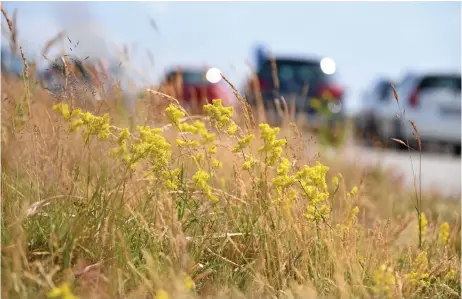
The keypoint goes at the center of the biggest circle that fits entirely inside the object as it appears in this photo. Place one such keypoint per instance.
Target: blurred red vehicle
(194, 87)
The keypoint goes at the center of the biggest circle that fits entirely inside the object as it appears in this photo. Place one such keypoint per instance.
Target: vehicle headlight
(328, 66)
(213, 75)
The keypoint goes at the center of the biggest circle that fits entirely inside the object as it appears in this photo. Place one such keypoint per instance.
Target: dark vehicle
(194, 87)
(82, 75)
(300, 80)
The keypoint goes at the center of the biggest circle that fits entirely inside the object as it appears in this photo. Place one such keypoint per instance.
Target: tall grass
(210, 205)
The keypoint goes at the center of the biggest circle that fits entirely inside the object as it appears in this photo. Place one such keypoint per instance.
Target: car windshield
(293, 70)
(194, 78)
(293, 74)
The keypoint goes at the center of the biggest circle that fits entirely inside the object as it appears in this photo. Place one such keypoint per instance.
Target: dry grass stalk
(416, 134)
(51, 42)
(13, 30)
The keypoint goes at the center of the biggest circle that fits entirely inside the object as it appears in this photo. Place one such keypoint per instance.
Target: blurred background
(353, 50)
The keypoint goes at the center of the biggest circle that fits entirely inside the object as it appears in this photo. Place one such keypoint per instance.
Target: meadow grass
(210, 205)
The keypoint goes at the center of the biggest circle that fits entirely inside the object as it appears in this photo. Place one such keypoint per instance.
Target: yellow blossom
(423, 226)
(221, 116)
(312, 180)
(161, 294)
(272, 146)
(62, 292)
(174, 114)
(419, 275)
(189, 283)
(243, 143)
(444, 233)
(216, 163)
(248, 164)
(353, 192)
(384, 281)
(200, 179)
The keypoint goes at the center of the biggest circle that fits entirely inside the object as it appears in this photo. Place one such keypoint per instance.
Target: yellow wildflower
(232, 128)
(174, 114)
(189, 283)
(161, 294)
(335, 181)
(212, 148)
(384, 281)
(187, 143)
(221, 116)
(353, 192)
(282, 179)
(63, 292)
(172, 179)
(249, 163)
(423, 225)
(419, 275)
(272, 146)
(216, 163)
(444, 233)
(243, 143)
(313, 183)
(200, 179)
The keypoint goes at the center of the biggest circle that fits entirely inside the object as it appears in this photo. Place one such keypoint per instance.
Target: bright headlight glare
(213, 75)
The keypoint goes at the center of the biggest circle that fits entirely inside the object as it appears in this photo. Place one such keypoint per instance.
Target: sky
(367, 40)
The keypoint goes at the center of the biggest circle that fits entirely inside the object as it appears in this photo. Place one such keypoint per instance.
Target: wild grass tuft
(210, 205)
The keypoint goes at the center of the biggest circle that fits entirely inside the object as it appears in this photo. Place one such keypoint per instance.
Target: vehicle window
(382, 90)
(452, 82)
(294, 71)
(193, 78)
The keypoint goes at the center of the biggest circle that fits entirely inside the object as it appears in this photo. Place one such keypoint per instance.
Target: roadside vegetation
(217, 205)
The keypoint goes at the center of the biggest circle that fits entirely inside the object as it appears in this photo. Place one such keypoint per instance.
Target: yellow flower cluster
(351, 220)
(283, 180)
(444, 233)
(272, 146)
(353, 192)
(419, 275)
(161, 294)
(151, 145)
(313, 183)
(122, 150)
(197, 128)
(243, 143)
(200, 179)
(94, 125)
(282, 184)
(189, 283)
(147, 143)
(384, 281)
(423, 225)
(221, 116)
(174, 114)
(63, 292)
(172, 179)
(248, 163)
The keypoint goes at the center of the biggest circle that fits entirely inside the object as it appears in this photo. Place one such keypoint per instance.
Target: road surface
(440, 172)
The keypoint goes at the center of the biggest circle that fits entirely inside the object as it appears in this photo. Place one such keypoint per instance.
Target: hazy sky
(366, 39)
